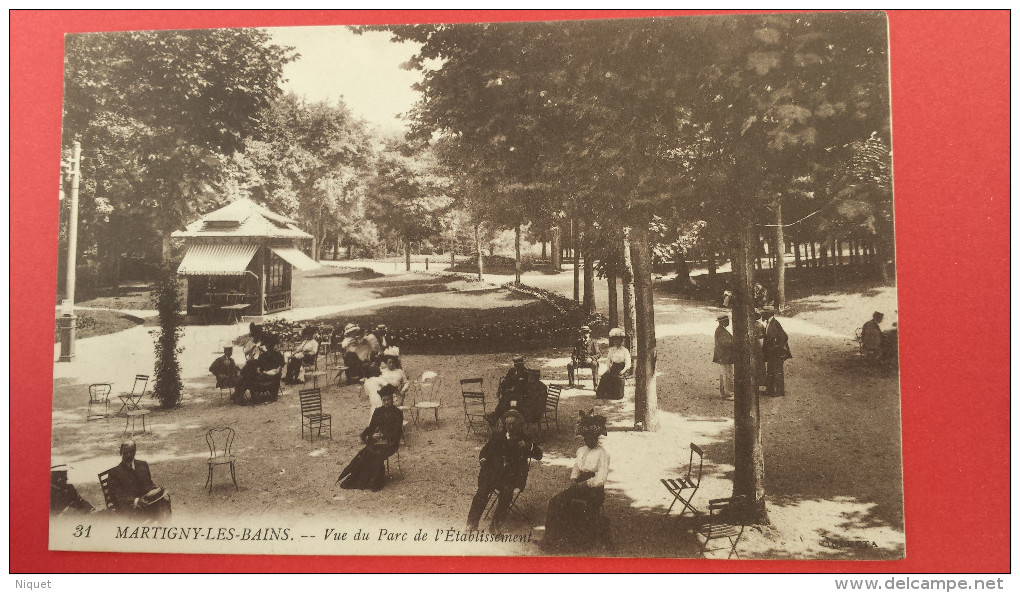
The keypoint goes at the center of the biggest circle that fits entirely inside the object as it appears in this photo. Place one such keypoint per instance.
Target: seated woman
(253, 347)
(357, 355)
(382, 438)
(262, 374)
(617, 363)
(306, 352)
(572, 513)
(391, 374)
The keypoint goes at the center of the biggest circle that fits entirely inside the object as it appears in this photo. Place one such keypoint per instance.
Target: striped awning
(217, 260)
(296, 258)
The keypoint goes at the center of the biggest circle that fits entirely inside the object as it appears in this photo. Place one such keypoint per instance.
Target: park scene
(603, 288)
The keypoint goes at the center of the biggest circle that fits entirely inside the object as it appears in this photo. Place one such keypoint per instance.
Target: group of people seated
(262, 371)
(363, 351)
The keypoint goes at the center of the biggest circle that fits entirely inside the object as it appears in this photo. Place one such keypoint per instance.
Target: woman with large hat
(572, 515)
(390, 374)
(617, 363)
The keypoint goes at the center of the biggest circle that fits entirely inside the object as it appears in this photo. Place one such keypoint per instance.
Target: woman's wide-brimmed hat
(616, 333)
(351, 329)
(590, 423)
(391, 352)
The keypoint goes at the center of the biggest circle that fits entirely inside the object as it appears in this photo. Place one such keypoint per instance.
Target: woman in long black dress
(572, 515)
(617, 363)
(367, 471)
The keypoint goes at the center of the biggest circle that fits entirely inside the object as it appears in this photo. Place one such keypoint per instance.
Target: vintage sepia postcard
(607, 287)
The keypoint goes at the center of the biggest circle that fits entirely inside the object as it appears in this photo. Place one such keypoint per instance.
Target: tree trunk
(407, 255)
(749, 460)
(780, 260)
(517, 255)
(646, 414)
(577, 261)
(814, 256)
(796, 255)
(589, 280)
(711, 263)
(614, 301)
(555, 249)
(167, 252)
(544, 250)
(629, 303)
(683, 271)
(478, 249)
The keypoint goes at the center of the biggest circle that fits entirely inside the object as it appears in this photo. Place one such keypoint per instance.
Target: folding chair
(400, 469)
(514, 509)
(684, 487)
(311, 414)
(129, 401)
(725, 520)
(99, 395)
(474, 404)
(220, 441)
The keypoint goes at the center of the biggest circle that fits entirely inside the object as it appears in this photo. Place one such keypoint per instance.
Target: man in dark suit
(585, 355)
(776, 348)
(519, 390)
(504, 467)
(131, 486)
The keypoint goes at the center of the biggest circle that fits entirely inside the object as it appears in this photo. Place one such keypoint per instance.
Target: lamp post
(68, 321)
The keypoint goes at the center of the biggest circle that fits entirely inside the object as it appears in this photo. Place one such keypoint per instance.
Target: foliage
(159, 114)
(166, 293)
(310, 161)
(409, 197)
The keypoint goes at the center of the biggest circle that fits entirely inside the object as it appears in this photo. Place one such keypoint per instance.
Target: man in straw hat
(723, 356)
(586, 355)
(64, 498)
(225, 369)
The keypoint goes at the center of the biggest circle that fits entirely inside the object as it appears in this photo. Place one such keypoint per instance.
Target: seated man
(586, 355)
(263, 374)
(64, 498)
(131, 487)
(225, 369)
(253, 347)
(520, 390)
(872, 338)
(504, 467)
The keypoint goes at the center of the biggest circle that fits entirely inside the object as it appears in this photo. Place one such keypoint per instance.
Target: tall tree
(158, 113)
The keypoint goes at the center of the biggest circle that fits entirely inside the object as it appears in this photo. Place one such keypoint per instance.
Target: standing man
(723, 356)
(776, 348)
(131, 487)
(586, 355)
(872, 338)
(504, 467)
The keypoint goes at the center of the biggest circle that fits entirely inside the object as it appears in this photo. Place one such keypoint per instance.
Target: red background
(950, 100)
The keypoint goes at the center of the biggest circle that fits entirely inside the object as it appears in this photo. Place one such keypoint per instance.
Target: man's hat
(877, 314)
(60, 468)
(722, 316)
(585, 329)
(228, 350)
(768, 309)
(518, 358)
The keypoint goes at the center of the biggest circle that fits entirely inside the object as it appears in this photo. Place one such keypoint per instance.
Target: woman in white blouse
(572, 513)
(391, 374)
(617, 363)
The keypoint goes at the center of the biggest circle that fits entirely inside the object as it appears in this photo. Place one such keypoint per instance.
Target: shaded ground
(99, 322)
(832, 446)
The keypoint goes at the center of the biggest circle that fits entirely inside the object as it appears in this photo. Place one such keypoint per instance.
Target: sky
(363, 70)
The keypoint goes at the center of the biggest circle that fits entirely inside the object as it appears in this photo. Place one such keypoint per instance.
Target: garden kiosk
(238, 260)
